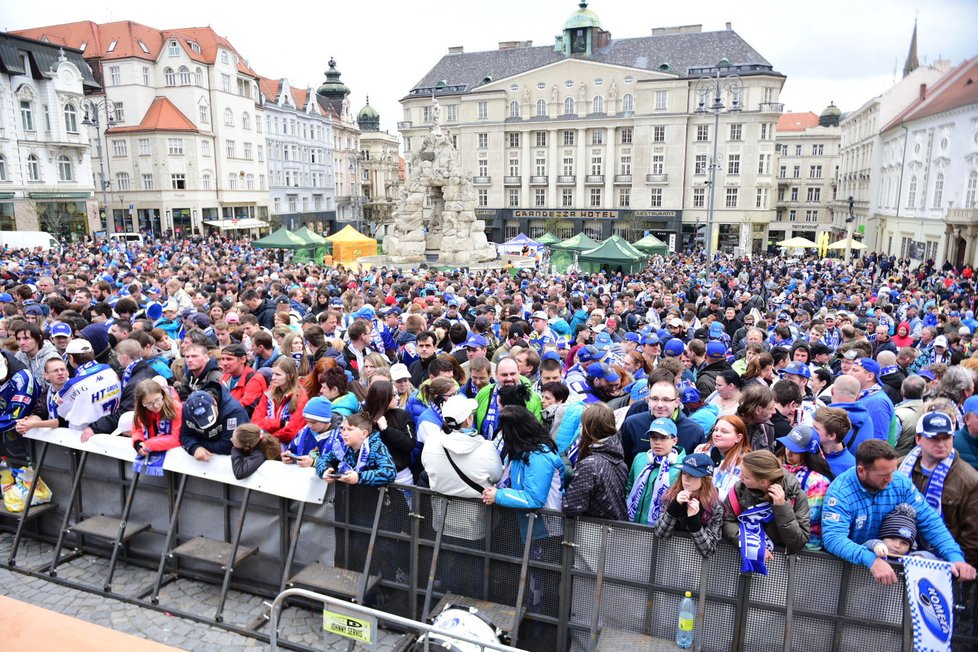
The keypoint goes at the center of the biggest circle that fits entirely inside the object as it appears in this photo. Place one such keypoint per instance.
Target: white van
(136, 238)
(28, 240)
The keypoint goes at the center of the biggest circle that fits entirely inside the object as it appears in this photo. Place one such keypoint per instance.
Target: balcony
(482, 181)
(538, 181)
(566, 180)
(404, 125)
(623, 178)
(512, 181)
(771, 107)
(594, 179)
(656, 178)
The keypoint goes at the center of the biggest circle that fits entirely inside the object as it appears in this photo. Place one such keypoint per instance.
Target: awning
(230, 225)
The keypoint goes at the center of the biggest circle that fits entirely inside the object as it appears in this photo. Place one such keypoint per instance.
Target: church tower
(912, 63)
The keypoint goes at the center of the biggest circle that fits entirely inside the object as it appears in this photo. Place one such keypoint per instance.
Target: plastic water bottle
(6, 477)
(687, 622)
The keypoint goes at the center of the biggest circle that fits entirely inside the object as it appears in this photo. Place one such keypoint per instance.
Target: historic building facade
(334, 97)
(604, 135)
(380, 165)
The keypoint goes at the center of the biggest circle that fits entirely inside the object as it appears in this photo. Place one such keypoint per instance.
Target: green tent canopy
(311, 237)
(611, 254)
(281, 239)
(580, 242)
(547, 239)
(652, 245)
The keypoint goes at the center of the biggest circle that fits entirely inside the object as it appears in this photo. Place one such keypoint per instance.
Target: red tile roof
(797, 121)
(957, 88)
(162, 115)
(272, 88)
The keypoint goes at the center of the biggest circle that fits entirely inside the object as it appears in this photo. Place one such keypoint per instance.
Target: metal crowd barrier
(574, 585)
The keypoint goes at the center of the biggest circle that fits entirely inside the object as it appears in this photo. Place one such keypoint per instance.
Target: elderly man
(872, 397)
(508, 382)
(663, 402)
(948, 483)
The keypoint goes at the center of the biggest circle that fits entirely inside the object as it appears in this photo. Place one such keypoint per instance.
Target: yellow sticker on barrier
(355, 626)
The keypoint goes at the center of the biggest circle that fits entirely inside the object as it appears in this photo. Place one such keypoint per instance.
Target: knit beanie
(901, 523)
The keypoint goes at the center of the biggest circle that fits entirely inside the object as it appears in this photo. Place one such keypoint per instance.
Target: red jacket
(159, 434)
(248, 388)
(273, 424)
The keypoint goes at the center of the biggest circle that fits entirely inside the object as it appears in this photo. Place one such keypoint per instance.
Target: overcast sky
(832, 50)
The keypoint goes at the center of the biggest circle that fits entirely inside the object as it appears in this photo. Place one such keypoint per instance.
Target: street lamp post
(849, 221)
(716, 86)
(92, 118)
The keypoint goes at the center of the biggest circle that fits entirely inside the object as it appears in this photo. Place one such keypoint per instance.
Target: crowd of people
(778, 403)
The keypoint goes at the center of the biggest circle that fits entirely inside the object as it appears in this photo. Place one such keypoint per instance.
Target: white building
(299, 146)
(45, 163)
(807, 159)
(181, 124)
(334, 97)
(928, 173)
(603, 135)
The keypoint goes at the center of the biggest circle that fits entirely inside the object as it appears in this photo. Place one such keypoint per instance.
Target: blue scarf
(362, 457)
(127, 374)
(53, 402)
(491, 419)
(284, 414)
(885, 371)
(151, 465)
(867, 392)
(753, 539)
(935, 483)
(659, 487)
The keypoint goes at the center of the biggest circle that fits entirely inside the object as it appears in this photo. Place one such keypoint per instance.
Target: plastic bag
(15, 499)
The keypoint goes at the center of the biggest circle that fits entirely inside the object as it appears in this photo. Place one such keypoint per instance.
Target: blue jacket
(635, 433)
(378, 468)
(880, 409)
(851, 515)
(569, 426)
(862, 425)
(535, 484)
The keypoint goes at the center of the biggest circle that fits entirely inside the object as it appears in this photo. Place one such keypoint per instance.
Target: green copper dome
(333, 86)
(582, 18)
(831, 116)
(368, 119)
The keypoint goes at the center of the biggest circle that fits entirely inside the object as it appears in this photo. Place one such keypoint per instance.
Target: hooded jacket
(862, 425)
(902, 341)
(230, 415)
(597, 488)
(191, 382)
(791, 524)
(36, 364)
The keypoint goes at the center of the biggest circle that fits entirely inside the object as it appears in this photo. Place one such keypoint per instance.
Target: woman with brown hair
(293, 347)
(156, 418)
(597, 488)
(693, 505)
(279, 411)
(756, 409)
(251, 446)
(766, 508)
(760, 370)
(727, 446)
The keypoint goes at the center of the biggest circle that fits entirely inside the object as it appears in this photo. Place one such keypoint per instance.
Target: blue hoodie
(880, 409)
(862, 425)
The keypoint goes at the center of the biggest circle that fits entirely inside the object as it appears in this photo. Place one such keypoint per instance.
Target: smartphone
(333, 475)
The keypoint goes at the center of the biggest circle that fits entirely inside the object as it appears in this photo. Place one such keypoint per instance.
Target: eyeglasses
(152, 405)
(661, 399)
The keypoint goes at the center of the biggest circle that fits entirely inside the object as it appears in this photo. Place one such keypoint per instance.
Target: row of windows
(178, 181)
(814, 195)
(66, 171)
(810, 215)
(291, 126)
(937, 198)
(27, 123)
(595, 198)
(817, 150)
(814, 172)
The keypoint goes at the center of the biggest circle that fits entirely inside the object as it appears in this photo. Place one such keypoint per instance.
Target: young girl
(279, 411)
(802, 457)
(692, 505)
(727, 445)
(363, 458)
(250, 448)
(156, 420)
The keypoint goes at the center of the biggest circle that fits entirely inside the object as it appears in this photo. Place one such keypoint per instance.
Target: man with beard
(601, 380)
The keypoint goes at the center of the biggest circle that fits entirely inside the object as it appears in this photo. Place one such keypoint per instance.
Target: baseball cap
(674, 348)
(784, 316)
(475, 341)
(458, 408)
(940, 341)
(716, 350)
(393, 310)
(79, 346)
(169, 306)
(236, 349)
(929, 375)
(663, 425)
(5, 297)
(60, 329)
(689, 394)
(869, 365)
(851, 354)
(651, 339)
(232, 318)
(798, 369)
(933, 424)
(676, 321)
(318, 408)
(801, 439)
(202, 320)
(366, 312)
(550, 355)
(602, 341)
(716, 330)
(539, 314)
(399, 371)
(282, 299)
(603, 371)
(200, 410)
(632, 337)
(698, 465)
(587, 354)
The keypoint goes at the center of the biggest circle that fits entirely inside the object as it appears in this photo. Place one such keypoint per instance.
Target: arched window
(969, 195)
(569, 106)
(3, 168)
(199, 77)
(170, 77)
(71, 119)
(245, 120)
(33, 169)
(541, 108)
(627, 103)
(64, 168)
(912, 192)
(514, 109)
(184, 76)
(597, 105)
(228, 118)
(206, 181)
(938, 190)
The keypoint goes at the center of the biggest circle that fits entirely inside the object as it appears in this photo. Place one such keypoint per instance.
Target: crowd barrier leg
(701, 604)
(568, 545)
(12, 557)
(124, 530)
(73, 503)
(232, 557)
(592, 639)
(433, 569)
(789, 603)
(365, 576)
(293, 545)
(524, 578)
(415, 568)
(841, 606)
(171, 532)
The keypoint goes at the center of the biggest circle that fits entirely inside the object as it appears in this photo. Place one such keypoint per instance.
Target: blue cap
(798, 369)
(60, 329)
(550, 355)
(715, 350)
(602, 341)
(587, 354)
(633, 337)
(663, 425)
(366, 312)
(716, 330)
(200, 410)
(970, 406)
(933, 424)
(869, 365)
(674, 348)
(393, 310)
(801, 439)
(688, 393)
(603, 371)
(651, 340)
(318, 409)
(6, 298)
(475, 341)
(929, 375)
(453, 301)
(784, 316)
(698, 465)
(640, 390)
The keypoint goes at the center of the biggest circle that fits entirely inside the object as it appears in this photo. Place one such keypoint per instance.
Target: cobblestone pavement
(297, 624)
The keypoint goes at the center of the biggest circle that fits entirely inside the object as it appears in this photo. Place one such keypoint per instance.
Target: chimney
(729, 25)
(923, 91)
(458, 49)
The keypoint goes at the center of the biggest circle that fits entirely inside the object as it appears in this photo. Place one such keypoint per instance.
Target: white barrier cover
(284, 480)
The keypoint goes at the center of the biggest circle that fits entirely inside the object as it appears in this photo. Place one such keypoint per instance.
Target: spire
(912, 62)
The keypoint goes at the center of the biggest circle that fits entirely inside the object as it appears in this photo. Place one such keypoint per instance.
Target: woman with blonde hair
(727, 446)
(371, 363)
(279, 411)
(294, 347)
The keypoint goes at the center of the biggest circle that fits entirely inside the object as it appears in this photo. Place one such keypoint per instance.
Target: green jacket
(638, 465)
(535, 405)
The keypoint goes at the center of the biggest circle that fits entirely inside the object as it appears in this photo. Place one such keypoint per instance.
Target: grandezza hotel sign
(568, 214)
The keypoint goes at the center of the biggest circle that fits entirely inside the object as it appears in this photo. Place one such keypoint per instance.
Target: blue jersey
(17, 397)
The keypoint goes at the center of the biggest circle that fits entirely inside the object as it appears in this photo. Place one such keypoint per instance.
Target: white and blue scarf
(127, 374)
(284, 414)
(151, 465)
(362, 457)
(491, 419)
(935, 483)
(867, 392)
(659, 486)
(753, 540)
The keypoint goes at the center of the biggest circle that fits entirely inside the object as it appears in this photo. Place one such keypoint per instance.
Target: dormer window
(195, 47)
(173, 49)
(224, 56)
(142, 46)
(112, 46)
(83, 46)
